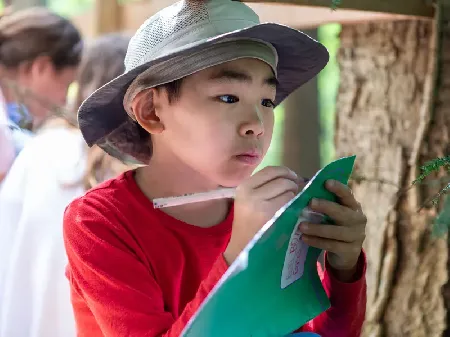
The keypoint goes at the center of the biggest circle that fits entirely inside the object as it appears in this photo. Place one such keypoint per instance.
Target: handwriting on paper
(294, 262)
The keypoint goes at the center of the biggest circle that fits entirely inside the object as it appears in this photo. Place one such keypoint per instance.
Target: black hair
(173, 89)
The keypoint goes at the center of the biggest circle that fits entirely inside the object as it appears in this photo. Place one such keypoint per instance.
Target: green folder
(273, 287)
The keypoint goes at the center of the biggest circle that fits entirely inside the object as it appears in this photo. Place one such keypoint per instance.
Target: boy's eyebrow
(241, 76)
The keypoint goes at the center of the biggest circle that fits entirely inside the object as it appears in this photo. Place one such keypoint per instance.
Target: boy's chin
(234, 180)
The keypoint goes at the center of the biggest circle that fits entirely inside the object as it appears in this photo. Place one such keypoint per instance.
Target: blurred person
(6, 145)
(55, 167)
(39, 55)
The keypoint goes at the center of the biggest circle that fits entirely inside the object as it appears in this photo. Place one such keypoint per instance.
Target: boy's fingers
(270, 173)
(329, 245)
(338, 233)
(344, 193)
(275, 188)
(282, 198)
(302, 183)
(341, 215)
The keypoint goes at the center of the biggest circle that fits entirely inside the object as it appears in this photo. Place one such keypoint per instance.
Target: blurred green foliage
(328, 86)
(68, 8)
(441, 223)
(274, 155)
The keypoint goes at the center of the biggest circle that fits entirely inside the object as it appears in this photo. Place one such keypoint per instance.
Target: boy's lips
(250, 157)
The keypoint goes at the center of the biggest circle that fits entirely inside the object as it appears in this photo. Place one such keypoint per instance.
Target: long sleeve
(348, 305)
(108, 274)
(12, 194)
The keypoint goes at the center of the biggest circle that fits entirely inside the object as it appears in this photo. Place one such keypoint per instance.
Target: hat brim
(300, 58)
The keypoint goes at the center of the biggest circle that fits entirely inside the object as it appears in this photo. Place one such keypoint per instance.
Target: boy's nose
(253, 126)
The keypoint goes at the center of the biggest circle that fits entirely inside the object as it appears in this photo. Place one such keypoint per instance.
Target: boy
(202, 78)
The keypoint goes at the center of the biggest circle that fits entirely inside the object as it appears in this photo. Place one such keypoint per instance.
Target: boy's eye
(229, 99)
(268, 103)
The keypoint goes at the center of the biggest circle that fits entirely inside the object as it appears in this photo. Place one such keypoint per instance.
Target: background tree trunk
(384, 118)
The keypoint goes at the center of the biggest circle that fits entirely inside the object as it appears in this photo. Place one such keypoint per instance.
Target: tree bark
(384, 117)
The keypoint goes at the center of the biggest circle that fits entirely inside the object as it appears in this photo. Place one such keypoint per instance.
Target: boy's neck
(163, 179)
(168, 177)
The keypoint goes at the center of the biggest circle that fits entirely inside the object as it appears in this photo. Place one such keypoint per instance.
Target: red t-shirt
(136, 271)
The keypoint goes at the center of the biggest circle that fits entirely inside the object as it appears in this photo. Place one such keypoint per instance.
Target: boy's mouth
(250, 157)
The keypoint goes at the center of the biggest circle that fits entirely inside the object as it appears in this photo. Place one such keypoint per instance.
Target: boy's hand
(257, 200)
(343, 240)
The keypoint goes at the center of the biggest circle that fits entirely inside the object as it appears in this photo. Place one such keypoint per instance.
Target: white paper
(294, 262)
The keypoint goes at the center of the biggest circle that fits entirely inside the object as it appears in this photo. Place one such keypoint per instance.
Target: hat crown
(186, 23)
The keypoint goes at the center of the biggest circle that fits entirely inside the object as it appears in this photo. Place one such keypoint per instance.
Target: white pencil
(223, 193)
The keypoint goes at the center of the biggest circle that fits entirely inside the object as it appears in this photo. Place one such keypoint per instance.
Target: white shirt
(34, 292)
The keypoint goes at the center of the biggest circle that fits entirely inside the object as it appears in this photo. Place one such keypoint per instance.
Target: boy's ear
(145, 107)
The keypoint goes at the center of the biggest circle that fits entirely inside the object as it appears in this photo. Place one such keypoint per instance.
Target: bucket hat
(165, 46)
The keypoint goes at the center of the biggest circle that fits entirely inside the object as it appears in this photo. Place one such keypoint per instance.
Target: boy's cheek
(267, 139)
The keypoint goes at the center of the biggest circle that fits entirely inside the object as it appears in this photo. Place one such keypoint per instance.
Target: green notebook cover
(273, 287)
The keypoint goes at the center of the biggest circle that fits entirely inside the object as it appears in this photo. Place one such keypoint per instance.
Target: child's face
(43, 75)
(221, 125)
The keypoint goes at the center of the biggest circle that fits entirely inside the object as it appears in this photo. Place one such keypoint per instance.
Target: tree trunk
(384, 117)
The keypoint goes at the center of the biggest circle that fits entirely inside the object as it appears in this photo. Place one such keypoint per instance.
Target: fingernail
(303, 227)
(331, 183)
(314, 202)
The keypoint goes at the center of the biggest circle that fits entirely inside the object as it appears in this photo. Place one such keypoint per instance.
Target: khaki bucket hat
(180, 40)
